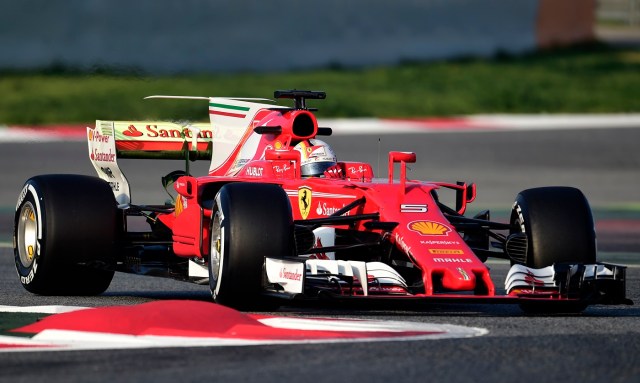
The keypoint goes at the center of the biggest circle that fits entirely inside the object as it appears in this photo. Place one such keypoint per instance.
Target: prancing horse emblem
(304, 201)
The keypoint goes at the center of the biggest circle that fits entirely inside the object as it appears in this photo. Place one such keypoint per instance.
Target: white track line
(52, 309)
(473, 123)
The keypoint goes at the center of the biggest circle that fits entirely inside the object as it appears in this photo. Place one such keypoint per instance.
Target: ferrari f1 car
(259, 230)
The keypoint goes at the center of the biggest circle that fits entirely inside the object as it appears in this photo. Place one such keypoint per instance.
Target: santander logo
(290, 275)
(132, 132)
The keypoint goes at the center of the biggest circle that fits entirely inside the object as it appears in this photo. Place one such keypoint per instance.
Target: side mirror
(291, 155)
(186, 186)
(408, 157)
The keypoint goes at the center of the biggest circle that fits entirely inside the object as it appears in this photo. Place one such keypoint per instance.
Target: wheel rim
(27, 234)
(217, 248)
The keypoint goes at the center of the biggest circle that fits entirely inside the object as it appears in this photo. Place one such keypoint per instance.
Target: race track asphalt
(602, 344)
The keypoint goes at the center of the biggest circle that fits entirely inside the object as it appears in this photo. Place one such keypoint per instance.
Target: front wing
(292, 278)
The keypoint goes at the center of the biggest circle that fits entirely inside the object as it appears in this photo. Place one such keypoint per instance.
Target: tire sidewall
(29, 275)
(76, 225)
(255, 222)
(558, 224)
(223, 254)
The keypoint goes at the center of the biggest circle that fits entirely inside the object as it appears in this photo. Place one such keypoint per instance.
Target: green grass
(593, 79)
(10, 321)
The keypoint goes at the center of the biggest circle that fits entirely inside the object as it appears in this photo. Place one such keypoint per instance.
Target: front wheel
(65, 230)
(560, 229)
(558, 224)
(250, 222)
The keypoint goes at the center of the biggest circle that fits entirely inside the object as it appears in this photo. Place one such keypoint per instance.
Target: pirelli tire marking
(28, 209)
(520, 217)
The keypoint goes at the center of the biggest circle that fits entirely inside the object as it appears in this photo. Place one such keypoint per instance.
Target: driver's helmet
(315, 157)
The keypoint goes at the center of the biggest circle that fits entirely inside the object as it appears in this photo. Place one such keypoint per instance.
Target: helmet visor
(315, 169)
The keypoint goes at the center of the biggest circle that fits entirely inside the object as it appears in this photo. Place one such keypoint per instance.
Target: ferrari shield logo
(304, 201)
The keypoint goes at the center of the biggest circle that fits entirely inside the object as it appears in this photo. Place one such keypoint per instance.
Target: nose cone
(458, 279)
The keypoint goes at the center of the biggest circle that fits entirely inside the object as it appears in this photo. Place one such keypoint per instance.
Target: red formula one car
(278, 217)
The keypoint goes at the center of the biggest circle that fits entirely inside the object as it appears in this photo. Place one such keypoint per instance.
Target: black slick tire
(64, 237)
(250, 222)
(558, 223)
(560, 229)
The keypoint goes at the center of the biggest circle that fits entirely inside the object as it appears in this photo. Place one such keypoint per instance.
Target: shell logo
(429, 228)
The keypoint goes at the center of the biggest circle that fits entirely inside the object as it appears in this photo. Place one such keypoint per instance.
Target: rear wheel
(65, 230)
(250, 221)
(559, 228)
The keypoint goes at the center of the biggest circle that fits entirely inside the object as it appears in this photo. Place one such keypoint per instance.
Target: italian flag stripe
(228, 110)
(224, 106)
(227, 114)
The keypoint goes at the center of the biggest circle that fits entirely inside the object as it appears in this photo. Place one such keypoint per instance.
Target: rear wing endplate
(111, 140)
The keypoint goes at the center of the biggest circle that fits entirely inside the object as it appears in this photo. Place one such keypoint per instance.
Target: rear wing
(228, 140)
(112, 140)
(158, 139)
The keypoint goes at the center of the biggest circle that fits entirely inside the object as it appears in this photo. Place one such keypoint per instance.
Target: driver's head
(315, 157)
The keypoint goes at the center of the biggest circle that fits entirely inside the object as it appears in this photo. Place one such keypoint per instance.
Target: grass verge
(589, 79)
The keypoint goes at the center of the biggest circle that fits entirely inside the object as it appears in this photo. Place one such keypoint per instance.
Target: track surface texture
(602, 344)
